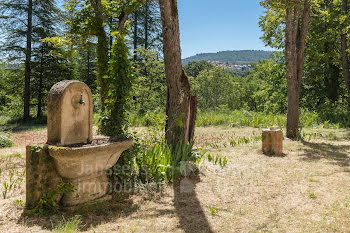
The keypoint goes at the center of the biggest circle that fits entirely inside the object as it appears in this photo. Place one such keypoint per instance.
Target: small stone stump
(272, 141)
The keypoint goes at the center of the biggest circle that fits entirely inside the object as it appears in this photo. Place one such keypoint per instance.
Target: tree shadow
(91, 215)
(21, 127)
(333, 153)
(188, 207)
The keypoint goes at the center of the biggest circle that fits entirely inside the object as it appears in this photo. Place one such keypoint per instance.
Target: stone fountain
(72, 154)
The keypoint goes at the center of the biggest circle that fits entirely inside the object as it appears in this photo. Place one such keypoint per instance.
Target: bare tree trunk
(181, 105)
(26, 114)
(296, 31)
(344, 53)
(40, 90)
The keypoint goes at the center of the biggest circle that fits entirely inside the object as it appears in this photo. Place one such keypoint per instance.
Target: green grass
(242, 140)
(239, 118)
(213, 210)
(254, 119)
(68, 226)
(312, 195)
(14, 180)
(331, 136)
(217, 159)
(5, 140)
(13, 155)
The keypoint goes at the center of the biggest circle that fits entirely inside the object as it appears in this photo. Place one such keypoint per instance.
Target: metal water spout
(81, 101)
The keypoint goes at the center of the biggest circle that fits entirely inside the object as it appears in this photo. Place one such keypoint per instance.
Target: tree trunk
(293, 110)
(344, 53)
(135, 34)
(102, 50)
(296, 31)
(40, 94)
(110, 36)
(26, 114)
(181, 105)
(146, 24)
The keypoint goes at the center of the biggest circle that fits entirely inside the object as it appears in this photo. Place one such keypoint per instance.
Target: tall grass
(243, 118)
(252, 119)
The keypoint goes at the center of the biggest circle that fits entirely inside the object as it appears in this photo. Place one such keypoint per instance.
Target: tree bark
(344, 53)
(26, 114)
(146, 24)
(296, 32)
(102, 50)
(181, 105)
(40, 90)
(135, 41)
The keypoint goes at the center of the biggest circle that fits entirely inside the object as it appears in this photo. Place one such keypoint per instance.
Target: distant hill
(242, 57)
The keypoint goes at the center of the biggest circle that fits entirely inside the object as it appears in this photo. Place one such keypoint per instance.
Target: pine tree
(24, 26)
(146, 27)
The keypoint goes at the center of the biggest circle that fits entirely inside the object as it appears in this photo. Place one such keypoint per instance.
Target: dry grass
(307, 190)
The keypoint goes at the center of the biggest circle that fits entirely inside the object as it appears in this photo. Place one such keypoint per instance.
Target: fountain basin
(86, 165)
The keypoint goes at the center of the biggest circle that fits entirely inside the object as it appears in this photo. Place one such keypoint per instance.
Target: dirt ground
(306, 190)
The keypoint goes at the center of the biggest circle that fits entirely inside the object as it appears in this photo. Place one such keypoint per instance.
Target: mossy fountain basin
(86, 165)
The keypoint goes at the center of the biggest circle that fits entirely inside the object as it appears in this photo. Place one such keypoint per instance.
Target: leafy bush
(4, 119)
(14, 109)
(5, 140)
(155, 164)
(150, 161)
(150, 118)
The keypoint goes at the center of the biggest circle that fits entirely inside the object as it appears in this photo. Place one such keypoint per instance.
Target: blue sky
(218, 25)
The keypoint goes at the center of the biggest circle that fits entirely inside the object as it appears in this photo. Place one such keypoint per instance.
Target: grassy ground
(307, 190)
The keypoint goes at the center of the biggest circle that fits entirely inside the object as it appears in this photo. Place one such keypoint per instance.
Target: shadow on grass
(91, 215)
(335, 154)
(188, 207)
(21, 126)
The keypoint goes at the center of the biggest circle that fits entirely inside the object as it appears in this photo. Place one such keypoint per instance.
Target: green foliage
(194, 68)
(101, 19)
(5, 140)
(216, 159)
(312, 195)
(150, 118)
(238, 141)
(14, 182)
(146, 27)
(154, 164)
(151, 162)
(266, 88)
(332, 136)
(262, 89)
(217, 88)
(72, 225)
(213, 210)
(49, 202)
(113, 119)
(253, 119)
(149, 86)
(322, 88)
